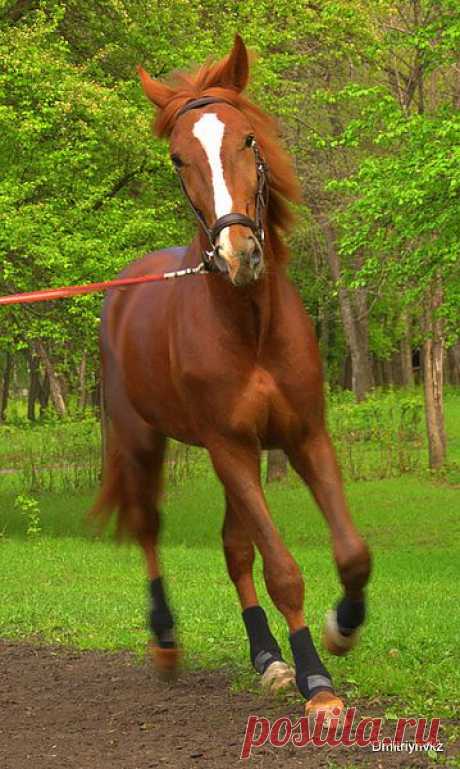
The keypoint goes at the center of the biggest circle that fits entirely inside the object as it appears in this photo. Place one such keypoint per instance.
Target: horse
(227, 359)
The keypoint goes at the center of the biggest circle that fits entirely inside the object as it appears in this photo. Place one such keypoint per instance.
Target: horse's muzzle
(243, 266)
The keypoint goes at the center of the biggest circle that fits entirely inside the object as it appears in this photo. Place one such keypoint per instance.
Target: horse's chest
(263, 403)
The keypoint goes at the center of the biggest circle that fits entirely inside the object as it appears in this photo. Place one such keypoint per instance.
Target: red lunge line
(61, 293)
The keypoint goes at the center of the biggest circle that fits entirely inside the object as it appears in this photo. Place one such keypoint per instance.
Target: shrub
(29, 509)
(380, 437)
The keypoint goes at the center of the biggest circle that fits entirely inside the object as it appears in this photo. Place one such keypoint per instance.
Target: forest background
(367, 95)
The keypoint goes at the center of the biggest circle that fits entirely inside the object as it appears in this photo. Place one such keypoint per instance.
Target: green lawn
(64, 586)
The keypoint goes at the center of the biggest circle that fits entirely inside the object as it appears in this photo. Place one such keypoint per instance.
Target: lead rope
(48, 294)
(201, 267)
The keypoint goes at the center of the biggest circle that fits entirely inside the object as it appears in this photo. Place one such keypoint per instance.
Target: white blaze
(209, 131)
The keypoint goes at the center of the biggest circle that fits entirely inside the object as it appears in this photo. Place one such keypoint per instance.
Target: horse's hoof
(334, 640)
(166, 661)
(324, 702)
(278, 677)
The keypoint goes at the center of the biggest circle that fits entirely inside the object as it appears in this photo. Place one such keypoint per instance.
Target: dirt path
(72, 710)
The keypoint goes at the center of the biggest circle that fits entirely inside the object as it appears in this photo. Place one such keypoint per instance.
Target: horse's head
(214, 150)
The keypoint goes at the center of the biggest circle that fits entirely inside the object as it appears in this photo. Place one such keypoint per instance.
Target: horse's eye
(249, 142)
(177, 162)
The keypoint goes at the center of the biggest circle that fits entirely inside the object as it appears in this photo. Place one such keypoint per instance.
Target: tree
(403, 200)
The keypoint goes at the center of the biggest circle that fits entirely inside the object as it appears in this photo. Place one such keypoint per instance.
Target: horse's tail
(127, 493)
(112, 496)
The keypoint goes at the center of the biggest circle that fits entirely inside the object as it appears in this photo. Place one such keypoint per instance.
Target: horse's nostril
(220, 262)
(255, 258)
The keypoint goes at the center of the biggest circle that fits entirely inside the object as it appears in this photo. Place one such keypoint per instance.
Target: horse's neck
(247, 310)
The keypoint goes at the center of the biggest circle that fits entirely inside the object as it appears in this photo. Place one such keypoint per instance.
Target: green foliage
(380, 437)
(401, 222)
(404, 210)
(56, 455)
(30, 510)
(84, 188)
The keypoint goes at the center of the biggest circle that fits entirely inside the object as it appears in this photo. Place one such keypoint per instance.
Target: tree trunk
(55, 387)
(396, 369)
(5, 386)
(82, 382)
(355, 334)
(354, 318)
(345, 374)
(362, 326)
(453, 354)
(277, 465)
(387, 372)
(44, 393)
(433, 378)
(378, 372)
(34, 385)
(324, 327)
(405, 350)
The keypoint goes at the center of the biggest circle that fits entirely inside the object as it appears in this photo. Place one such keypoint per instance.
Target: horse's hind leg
(265, 653)
(315, 461)
(146, 479)
(132, 486)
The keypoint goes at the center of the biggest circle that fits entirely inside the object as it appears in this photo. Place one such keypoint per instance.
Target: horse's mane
(283, 182)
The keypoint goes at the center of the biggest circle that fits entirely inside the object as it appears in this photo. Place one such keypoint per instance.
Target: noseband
(256, 225)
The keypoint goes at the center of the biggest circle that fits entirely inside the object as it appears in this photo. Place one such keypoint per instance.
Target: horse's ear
(157, 92)
(235, 71)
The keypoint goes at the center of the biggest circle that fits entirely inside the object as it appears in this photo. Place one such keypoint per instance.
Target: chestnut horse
(228, 360)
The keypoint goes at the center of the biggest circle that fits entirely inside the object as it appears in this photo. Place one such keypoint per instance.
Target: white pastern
(209, 131)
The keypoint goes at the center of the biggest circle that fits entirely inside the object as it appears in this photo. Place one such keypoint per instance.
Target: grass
(64, 586)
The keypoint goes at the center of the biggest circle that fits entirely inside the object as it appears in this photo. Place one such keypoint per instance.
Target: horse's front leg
(314, 459)
(236, 461)
(265, 652)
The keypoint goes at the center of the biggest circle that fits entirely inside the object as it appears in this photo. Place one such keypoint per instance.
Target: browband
(203, 102)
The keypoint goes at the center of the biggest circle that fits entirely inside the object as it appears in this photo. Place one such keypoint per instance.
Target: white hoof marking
(333, 635)
(278, 676)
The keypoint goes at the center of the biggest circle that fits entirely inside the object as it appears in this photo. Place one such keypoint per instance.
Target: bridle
(256, 225)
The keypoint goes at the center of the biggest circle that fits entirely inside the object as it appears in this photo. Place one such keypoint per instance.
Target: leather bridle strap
(232, 218)
(203, 102)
